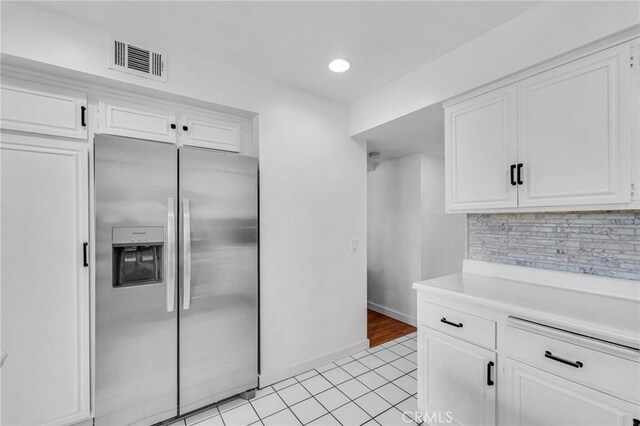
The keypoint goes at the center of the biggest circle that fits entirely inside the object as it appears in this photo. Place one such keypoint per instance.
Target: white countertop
(607, 317)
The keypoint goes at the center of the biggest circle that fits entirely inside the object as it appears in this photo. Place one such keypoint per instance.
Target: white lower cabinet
(538, 374)
(456, 380)
(45, 378)
(538, 398)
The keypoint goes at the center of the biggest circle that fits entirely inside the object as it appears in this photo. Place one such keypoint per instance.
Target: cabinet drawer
(33, 108)
(471, 328)
(588, 364)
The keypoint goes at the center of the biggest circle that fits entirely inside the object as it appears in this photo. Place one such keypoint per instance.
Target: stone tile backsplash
(598, 243)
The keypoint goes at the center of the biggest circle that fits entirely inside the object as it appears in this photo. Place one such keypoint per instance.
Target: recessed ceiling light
(339, 65)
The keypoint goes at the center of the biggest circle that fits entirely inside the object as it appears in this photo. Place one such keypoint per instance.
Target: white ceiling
(293, 41)
(419, 132)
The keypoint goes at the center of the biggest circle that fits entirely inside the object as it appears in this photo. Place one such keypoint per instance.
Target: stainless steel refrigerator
(176, 279)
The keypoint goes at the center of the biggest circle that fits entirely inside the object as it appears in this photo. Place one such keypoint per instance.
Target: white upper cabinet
(136, 120)
(573, 132)
(172, 124)
(211, 131)
(560, 139)
(45, 282)
(480, 147)
(29, 107)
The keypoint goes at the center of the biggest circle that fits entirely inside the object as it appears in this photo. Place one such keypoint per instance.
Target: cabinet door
(211, 131)
(33, 108)
(538, 398)
(480, 147)
(45, 286)
(573, 132)
(121, 118)
(456, 380)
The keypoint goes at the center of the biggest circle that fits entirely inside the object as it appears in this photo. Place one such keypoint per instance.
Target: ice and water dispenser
(137, 255)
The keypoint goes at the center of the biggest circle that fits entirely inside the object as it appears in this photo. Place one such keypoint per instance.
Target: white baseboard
(266, 379)
(392, 313)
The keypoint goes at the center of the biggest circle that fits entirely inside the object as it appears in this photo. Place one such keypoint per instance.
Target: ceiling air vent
(137, 60)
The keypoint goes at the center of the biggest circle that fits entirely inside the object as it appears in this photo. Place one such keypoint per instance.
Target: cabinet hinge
(633, 190)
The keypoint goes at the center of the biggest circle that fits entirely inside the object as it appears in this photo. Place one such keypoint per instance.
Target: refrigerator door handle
(186, 259)
(170, 264)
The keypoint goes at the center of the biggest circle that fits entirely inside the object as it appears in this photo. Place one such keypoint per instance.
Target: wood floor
(381, 328)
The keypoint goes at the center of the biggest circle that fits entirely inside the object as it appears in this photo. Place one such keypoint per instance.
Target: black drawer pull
(185, 128)
(489, 368)
(513, 177)
(173, 126)
(520, 182)
(458, 325)
(576, 364)
(83, 121)
(85, 255)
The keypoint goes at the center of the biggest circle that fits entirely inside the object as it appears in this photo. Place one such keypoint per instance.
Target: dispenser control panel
(137, 255)
(138, 235)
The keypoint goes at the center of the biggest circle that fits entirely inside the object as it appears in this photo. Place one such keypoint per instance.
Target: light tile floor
(374, 387)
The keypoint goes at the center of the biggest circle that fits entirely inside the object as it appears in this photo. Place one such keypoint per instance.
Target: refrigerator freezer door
(136, 335)
(218, 325)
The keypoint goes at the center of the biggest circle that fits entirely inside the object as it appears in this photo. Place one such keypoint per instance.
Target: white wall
(443, 235)
(393, 241)
(313, 185)
(410, 238)
(539, 34)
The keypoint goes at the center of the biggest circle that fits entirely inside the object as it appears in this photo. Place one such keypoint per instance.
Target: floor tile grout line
(388, 382)
(373, 369)
(297, 381)
(412, 396)
(220, 414)
(254, 410)
(392, 407)
(341, 392)
(369, 391)
(316, 399)
(347, 396)
(373, 390)
(339, 366)
(351, 400)
(287, 406)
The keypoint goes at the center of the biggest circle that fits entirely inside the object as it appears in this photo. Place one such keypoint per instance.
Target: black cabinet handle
(85, 254)
(185, 128)
(513, 177)
(576, 364)
(519, 174)
(173, 126)
(83, 113)
(458, 325)
(489, 368)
